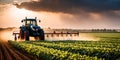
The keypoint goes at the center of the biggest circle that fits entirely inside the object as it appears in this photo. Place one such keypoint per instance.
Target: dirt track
(7, 52)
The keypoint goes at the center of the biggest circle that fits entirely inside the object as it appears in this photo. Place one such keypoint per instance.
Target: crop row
(90, 49)
(50, 53)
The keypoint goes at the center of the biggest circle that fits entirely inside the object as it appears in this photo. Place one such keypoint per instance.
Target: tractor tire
(26, 35)
(21, 34)
(42, 37)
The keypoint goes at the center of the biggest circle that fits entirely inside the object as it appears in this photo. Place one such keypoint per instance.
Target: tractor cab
(27, 22)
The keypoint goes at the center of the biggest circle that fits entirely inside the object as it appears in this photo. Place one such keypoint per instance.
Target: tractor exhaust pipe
(35, 17)
(25, 17)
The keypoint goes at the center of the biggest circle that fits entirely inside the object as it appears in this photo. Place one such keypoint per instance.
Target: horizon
(17, 28)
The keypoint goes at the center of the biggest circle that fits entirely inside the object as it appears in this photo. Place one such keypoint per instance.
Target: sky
(70, 14)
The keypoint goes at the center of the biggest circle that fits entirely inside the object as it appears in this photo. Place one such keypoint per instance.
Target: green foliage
(49, 53)
(108, 48)
(101, 35)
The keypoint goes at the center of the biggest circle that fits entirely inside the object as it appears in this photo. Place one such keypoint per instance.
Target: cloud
(77, 13)
(86, 13)
(71, 6)
(6, 1)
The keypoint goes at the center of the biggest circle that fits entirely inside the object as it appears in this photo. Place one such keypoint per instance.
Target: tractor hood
(35, 28)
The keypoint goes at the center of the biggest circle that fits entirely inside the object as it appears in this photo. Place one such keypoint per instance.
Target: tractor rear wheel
(21, 34)
(42, 37)
(26, 35)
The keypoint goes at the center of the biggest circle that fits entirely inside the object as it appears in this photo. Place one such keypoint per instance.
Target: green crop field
(107, 48)
(103, 35)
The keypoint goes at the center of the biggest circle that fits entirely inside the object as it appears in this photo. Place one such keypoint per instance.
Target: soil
(8, 52)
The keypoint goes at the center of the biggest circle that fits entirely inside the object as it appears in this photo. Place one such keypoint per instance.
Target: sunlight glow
(21, 12)
(12, 16)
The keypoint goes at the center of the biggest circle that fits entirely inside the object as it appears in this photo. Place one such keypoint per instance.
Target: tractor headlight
(32, 28)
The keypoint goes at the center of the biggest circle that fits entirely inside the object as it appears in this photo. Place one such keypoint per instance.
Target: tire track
(8, 52)
(12, 53)
(1, 54)
(23, 56)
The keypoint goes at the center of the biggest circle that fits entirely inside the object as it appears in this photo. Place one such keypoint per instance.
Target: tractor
(30, 28)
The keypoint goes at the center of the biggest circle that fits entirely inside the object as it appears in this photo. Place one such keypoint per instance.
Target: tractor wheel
(26, 35)
(37, 38)
(42, 37)
(21, 34)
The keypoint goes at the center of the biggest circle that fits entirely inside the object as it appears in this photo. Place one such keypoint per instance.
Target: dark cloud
(86, 13)
(6, 1)
(72, 6)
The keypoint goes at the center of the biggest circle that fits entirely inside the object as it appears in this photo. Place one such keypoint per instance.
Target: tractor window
(31, 22)
(28, 22)
(34, 23)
